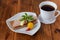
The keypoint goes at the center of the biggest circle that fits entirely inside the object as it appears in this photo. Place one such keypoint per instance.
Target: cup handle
(58, 13)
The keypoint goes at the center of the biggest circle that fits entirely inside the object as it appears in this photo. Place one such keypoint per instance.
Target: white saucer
(23, 30)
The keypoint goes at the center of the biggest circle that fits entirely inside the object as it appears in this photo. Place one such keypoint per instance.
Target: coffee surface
(48, 8)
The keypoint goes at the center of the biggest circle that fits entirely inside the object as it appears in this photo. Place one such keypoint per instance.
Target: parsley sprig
(27, 17)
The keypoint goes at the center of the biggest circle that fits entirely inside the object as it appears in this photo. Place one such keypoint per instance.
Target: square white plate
(23, 30)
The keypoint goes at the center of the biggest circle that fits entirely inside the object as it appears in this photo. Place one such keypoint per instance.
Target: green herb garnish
(27, 17)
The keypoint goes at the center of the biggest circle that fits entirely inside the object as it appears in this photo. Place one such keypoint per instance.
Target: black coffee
(48, 8)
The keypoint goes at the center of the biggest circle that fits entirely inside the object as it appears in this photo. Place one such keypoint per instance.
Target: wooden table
(9, 8)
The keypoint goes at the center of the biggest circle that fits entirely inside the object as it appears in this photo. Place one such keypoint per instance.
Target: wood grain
(8, 8)
(56, 25)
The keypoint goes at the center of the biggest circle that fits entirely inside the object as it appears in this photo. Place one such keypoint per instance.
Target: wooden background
(9, 8)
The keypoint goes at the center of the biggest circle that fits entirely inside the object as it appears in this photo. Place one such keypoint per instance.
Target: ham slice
(16, 24)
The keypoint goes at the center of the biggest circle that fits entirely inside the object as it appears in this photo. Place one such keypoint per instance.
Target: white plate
(23, 30)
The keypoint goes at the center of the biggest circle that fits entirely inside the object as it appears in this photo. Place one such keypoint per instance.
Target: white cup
(48, 17)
